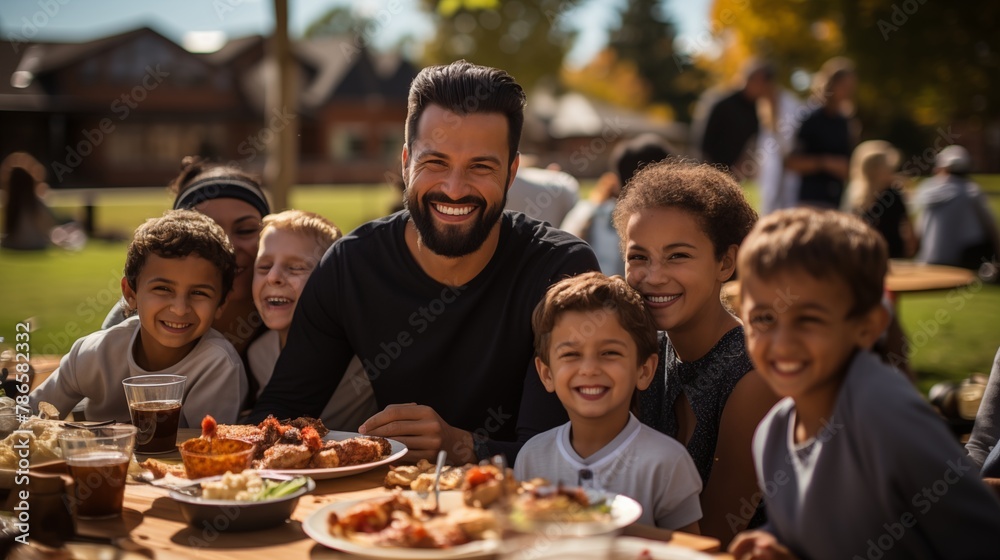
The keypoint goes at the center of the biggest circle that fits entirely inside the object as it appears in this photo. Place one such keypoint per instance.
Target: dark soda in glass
(156, 425)
(100, 483)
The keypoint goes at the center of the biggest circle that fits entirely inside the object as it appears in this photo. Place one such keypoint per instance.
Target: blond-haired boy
(291, 245)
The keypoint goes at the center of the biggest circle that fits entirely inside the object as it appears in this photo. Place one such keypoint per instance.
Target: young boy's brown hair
(824, 244)
(177, 234)
(593, 291)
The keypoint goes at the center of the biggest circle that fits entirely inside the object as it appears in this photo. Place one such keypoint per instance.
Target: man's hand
(758, 545)
(422, 431)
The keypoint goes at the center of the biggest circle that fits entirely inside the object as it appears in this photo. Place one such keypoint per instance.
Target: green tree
(527, 38)
(645, 38)
(609, 79)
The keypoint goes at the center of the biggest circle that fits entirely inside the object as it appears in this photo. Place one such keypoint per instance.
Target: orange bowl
(211, 457)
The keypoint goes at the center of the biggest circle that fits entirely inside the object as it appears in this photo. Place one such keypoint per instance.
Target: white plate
(624, 512)
(316, 526)
(398, 450)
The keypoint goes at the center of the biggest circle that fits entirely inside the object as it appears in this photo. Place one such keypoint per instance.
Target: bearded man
(436, 300)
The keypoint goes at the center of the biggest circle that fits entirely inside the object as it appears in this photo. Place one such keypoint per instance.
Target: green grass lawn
(67, 294)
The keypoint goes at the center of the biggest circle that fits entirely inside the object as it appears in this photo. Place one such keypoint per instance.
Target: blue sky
(74, 20)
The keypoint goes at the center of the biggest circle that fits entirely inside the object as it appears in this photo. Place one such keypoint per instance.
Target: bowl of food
(216, 456)
(246, 501)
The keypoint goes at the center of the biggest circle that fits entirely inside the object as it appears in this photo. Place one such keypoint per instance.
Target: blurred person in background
(546, 195)
(956, 227)
(590, 220)
(875, 196)
(27, 220)
(732, 125)
(826, 138)
(780, 115)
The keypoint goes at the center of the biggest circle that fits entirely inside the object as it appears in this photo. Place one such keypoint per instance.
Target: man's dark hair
(465, 88)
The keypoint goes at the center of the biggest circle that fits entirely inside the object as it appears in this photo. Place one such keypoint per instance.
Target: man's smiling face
(456, 178)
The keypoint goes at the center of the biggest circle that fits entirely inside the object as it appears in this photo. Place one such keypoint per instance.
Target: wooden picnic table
(152, 519)
(902, 277)
(910, 276)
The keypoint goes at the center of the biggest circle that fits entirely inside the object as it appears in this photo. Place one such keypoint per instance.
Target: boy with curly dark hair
(178, 271)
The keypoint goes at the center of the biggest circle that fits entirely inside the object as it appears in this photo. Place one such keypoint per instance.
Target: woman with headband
(235, 201)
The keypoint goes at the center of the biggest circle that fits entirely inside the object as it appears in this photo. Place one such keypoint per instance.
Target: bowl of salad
(246, 501)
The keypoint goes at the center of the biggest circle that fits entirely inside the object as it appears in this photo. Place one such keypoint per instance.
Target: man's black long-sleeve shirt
(465, 351)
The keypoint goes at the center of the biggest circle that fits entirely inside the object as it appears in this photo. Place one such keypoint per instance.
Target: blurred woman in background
(874, 195)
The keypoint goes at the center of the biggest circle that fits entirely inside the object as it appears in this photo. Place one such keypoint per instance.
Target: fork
(442, 456)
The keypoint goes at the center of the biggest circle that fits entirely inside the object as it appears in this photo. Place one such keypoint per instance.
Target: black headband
(223, 187)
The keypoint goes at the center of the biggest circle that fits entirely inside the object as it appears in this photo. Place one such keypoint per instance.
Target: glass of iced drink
(98, 462)
(154, 402)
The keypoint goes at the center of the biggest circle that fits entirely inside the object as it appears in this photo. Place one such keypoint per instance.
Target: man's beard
(453, 240)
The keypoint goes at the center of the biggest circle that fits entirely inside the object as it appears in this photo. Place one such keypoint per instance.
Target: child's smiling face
(671, 261)
(284, 262)
(800, 334)
(177, 300)
(593, 365)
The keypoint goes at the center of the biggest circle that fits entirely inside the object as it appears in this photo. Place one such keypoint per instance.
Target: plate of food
(355, 453)
(38, 434)
(403, 525)
(299, 447)
(572, 511)
(469, 521)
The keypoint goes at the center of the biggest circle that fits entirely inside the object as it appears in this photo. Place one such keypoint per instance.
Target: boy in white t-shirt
(595, 345)
(291, 245)
(178, 271)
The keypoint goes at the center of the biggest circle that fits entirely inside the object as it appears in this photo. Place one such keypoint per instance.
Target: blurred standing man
(733, 124)
(826, 139)
(436, 301)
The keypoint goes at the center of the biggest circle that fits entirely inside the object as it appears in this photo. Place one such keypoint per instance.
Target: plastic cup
(154, 402)
(98, 462)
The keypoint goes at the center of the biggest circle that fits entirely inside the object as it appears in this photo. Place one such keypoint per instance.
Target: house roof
(324, 64)
(232, 49)
(333, 57)
(575, 115)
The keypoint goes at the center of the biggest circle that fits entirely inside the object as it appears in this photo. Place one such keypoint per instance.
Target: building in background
(123, 110)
